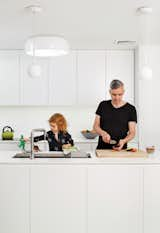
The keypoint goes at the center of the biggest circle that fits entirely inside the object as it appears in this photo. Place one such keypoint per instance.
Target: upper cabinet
(91, 77)
(120, 65)
(81, 78)
(62, 80)
(9, 78)
(34, 91)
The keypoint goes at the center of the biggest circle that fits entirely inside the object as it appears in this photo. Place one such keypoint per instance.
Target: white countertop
(76, 140)
(79, 139)
(6, 158)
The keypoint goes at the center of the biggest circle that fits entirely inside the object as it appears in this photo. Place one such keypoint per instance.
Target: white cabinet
(152, 199)
(120, 65)
(58, 199)
(14, 199)
(80, 78)
(91, 77)
(34, 91)
(9, 78)
(114, 199)
(63, 84)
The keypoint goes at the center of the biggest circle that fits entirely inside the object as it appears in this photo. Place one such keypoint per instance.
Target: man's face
(117, 95)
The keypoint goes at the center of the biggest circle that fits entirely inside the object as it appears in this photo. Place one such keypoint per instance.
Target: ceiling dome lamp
(46, 46)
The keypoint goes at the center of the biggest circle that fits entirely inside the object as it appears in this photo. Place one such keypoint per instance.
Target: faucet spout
(32, 140)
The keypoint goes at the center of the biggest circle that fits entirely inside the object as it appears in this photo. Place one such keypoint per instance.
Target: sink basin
(54, 154)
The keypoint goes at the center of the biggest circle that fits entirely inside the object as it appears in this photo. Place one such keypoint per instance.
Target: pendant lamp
(45, 45)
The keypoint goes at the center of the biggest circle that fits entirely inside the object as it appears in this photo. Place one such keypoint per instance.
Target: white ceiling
(87, 24)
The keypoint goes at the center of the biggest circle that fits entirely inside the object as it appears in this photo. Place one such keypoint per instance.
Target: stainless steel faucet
(32, 140)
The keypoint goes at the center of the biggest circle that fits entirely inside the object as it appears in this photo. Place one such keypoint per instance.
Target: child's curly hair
(60, 120)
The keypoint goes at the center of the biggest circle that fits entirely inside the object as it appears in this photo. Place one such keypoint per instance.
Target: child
(57, 137)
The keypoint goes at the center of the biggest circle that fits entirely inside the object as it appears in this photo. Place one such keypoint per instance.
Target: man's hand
(106, 137)
(120, 145)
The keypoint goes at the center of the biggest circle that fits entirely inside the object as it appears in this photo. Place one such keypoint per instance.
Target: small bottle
(22, 143)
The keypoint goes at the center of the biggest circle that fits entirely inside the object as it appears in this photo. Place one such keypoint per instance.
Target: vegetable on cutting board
(132, 149)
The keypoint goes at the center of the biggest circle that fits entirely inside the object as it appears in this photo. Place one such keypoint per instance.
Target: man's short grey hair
(116, 84)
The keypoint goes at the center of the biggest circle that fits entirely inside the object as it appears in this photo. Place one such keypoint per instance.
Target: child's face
(53, 127)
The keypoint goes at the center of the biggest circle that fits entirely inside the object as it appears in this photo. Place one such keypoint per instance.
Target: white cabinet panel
(14, 199)
(58, 199)
(152, 199)
(63, 86)
(120, 65)
(9, 78)
(91, 77)
(114, 199)
(34, 91)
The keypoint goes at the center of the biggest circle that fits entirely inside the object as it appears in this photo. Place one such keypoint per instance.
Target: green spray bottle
(22, 143)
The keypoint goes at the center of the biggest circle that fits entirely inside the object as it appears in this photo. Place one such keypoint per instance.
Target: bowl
(89, 134)
(150, 149)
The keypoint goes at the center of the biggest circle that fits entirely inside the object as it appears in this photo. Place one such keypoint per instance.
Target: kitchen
(80, 195)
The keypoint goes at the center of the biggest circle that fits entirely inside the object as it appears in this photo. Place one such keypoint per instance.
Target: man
(115, 119)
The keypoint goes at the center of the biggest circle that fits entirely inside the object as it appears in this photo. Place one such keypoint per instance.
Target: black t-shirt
(115, 121)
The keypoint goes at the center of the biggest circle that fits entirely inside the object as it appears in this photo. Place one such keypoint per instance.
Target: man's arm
(130, 136)
(131, 132)
(96, 126)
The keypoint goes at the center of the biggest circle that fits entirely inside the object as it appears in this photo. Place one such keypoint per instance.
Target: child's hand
(66, 146)
(26, 139)
(36, 148)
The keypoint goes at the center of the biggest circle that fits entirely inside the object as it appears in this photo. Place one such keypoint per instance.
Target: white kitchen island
(71, 195)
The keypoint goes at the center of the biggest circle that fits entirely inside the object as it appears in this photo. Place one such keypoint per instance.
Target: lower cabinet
(79, 198)
(114, 199)
(58, 199)
(152, 199)
(14, 199)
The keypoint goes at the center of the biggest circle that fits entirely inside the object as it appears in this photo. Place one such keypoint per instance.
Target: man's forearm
(129, 137)
(99, 130)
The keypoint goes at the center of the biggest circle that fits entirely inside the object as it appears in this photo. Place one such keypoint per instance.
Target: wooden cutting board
(121, 154)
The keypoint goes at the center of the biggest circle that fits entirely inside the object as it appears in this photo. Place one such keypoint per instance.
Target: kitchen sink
(53, 154)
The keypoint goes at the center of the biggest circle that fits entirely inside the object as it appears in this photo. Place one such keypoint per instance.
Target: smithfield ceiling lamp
(144, 12)
(45, 45)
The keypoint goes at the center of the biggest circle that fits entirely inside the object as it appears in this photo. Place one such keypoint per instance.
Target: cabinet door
(58, 199)
(63, 87)
(114, 199)
(152, 199)
(14, 199)
(120, 65)
(91, 77)
(34, 91)
(9, 78)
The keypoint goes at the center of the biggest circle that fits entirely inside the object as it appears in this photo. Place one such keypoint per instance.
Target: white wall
(149, 99)
(23, 119)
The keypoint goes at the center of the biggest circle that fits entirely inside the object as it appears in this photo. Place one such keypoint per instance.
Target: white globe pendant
(34, 70)
(46, 46)
(146, 73)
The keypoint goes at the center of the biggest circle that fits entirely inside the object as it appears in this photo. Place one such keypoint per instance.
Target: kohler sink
(54, 154)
